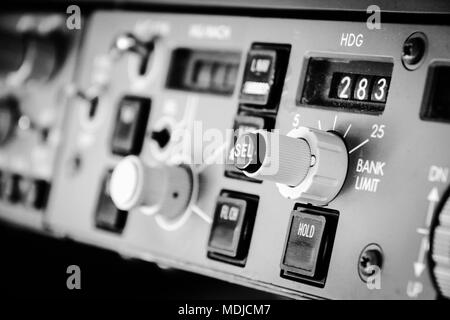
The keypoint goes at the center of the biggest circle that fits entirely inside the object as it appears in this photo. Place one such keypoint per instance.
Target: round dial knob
(307, 164)
(440, 246)
(9, 115)
(165, 190)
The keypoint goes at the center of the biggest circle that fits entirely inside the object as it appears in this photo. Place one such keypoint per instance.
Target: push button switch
(259, 76)
(304, 242)
(308, 244)
(264, 74)
(228, 226)
(232, 227)
(131, 123)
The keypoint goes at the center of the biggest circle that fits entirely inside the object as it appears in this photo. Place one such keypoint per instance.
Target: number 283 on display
(360, 87)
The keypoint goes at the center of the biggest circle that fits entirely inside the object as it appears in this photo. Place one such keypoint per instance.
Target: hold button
(304, 242)
(308, 245)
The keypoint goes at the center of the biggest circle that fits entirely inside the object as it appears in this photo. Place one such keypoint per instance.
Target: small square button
(227, 226)
(131, 123)
(264, 74)
(232, 227)
(305, 238)
(259, 76)
(309, 243)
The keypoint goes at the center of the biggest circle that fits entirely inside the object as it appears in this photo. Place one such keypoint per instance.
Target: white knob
(308, 165)
(166, 190)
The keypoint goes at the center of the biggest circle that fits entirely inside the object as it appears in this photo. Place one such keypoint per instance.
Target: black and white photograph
(225, 159)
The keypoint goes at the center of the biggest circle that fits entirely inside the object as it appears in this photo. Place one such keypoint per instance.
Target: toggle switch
(308, 165)
(130, 126)
(129, 43)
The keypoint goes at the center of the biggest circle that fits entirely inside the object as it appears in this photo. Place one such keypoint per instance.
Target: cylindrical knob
(9, 115)
(273, 157)
(308, 165)
(440, 246)
(166, 190)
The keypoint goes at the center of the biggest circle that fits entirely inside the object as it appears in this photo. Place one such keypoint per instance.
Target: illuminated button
(232, 226)
(131, 122)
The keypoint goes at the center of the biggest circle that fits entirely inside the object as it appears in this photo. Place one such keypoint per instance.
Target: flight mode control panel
(307, 158)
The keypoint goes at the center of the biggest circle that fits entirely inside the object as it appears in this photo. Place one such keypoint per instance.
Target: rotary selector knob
(440, 246)
(308, 165)
(163, 189)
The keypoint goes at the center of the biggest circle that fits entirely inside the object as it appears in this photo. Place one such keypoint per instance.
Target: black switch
(436, 103)
(131, 123)
(107, 216)
(264, 74)
(36, 195)
(308, 245)
(11, 188)
(232, 227)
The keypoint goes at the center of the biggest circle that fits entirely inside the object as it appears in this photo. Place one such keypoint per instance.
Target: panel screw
(370, 259)
(413, 50)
